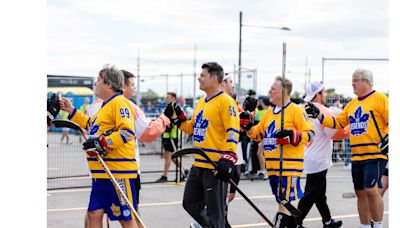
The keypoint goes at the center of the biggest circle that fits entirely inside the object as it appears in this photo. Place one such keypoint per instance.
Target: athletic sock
(365, 226)
(378, 224)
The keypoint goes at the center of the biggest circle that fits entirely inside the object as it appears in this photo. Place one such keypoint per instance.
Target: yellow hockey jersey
(215, 127)
(115, 119)
(293, 156)
(364, 137)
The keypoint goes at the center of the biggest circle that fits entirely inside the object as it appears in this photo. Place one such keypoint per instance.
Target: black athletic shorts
(167, 145)
(367, 173)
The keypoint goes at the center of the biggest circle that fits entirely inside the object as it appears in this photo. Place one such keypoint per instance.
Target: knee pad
(281, 220)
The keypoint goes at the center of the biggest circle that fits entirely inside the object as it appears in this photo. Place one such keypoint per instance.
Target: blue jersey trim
(233, 129)
(123, 138)
(363, 144)
(368, 154)
(309, 137)
(219, 93)
(114, 159)
(72, 114)
(273, 110)
(364, 97)
(201, 161)
(115, 171)
(285, 159)
(105, 102)
(322, 118)
(231, 140)
(286, 170)
(133, 133)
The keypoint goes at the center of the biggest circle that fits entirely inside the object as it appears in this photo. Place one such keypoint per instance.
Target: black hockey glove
(288, 137)
(53, 108)
(226, 165)
(250, 104)
(181, 116)
(312, 110)
(246, 120)
(169, 111)
(384, 145)
(96, 145)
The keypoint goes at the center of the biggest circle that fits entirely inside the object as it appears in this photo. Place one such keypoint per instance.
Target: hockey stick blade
(200, 152)
(67, 124)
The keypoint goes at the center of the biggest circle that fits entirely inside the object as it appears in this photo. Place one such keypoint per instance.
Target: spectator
(170, 143)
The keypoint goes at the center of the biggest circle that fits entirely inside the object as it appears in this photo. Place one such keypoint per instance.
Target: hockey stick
(180, 153)
(377, 129)
(72, 125)
(294, 211)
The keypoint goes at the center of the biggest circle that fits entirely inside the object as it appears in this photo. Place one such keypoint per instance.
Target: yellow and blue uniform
(215, 127)
(293, 156)
(364, 138)
(115, 120)
(116, 116)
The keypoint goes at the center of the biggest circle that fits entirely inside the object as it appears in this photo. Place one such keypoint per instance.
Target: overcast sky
(84, 35)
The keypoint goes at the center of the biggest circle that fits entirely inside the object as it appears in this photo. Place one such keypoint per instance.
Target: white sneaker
(261, 174)
(195, 225)
(348, 166)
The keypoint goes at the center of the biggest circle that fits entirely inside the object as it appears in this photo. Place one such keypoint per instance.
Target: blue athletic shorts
(291, 191)
(367, 173)
(104, 196)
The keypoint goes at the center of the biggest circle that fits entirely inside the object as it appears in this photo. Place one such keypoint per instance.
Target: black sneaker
(162, 179)
(334, 224)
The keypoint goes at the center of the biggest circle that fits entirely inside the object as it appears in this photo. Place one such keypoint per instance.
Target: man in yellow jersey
(111, 134)
(297, 131)
(368, 150)
(215, 129)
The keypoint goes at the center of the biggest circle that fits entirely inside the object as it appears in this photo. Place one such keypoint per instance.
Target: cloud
(84, 34)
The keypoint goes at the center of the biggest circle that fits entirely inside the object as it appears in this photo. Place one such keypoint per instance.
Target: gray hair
(112, 76)
(365, 75)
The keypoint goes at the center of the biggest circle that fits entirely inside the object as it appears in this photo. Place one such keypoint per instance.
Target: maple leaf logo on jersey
(359, 123)
(94, 128)
(232, 111)
(269, 140)
(200, 127)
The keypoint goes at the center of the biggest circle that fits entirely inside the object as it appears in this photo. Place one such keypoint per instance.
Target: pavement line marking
(156, 204)
(305, 220)
(88, 188)
(69, 190)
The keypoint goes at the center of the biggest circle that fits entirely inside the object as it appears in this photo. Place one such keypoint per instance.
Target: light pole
(240, 40)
